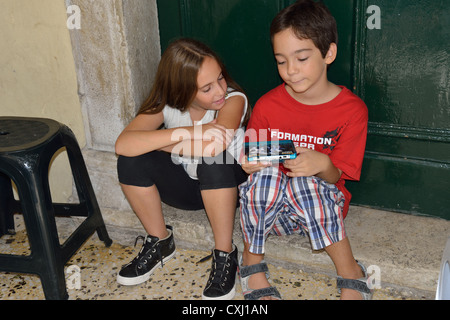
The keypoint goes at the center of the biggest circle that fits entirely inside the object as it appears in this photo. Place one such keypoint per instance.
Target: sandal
(359, 285)
(256, 294)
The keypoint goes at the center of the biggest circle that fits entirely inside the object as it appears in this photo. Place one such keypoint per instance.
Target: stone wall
(116, 52)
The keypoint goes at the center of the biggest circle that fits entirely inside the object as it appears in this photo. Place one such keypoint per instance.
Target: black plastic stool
(27, 146)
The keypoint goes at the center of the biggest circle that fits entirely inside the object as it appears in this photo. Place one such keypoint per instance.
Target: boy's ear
(331, 54)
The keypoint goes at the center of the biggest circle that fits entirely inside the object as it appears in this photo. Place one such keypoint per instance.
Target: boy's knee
(263, 187)
(298, 184)
(270, 172)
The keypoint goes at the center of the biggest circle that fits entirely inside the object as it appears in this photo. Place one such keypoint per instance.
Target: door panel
(403, 76)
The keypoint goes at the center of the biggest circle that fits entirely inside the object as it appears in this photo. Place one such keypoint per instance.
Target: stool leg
(83, 185)
(6, 199)
(54, 286)
(42, 234)
(44, 241)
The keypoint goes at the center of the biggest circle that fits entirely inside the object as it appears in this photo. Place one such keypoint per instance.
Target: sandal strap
(359, 285)
(246, 271)
(354, 284)
(264, 292)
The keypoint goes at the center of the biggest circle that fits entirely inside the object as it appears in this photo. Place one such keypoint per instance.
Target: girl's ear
(331, 54)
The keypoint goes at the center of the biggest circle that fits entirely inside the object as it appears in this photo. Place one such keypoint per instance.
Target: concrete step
(407, 249)
(404, 250)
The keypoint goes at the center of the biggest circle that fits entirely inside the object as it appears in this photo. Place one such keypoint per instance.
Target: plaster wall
(37, 73)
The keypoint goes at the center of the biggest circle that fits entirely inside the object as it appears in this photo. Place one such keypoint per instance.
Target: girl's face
(212, 86)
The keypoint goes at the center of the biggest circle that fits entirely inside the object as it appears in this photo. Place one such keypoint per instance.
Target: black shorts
(175, 186)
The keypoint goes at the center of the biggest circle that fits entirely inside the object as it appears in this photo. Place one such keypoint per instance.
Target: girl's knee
(135, 170)
(215, 173)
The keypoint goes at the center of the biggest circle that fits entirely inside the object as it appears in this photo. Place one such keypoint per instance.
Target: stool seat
(27, 146)
(19, 134)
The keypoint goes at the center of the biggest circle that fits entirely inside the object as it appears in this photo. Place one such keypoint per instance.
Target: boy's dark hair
(308, 20)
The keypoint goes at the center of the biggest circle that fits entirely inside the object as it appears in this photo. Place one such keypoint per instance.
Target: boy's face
(301, 65)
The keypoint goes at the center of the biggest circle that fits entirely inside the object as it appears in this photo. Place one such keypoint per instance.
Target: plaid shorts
(273, 203)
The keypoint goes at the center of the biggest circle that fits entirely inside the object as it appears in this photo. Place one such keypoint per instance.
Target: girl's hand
(217, 133)
(217, 136)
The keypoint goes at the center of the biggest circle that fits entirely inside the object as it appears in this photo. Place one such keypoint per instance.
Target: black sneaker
(154, 253)
(222, 279)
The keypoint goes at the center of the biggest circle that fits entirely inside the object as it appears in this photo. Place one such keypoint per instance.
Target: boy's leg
(346, 266)
(261, 198)
(319, 207)
(257, 280)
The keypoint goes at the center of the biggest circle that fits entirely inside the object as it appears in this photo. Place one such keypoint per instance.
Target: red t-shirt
(337, 128)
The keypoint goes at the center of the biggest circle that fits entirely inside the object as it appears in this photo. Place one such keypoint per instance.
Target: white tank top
(174, 118)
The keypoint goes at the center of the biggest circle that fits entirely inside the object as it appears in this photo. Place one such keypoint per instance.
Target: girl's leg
(148, 178)
(146, 203)
(218, 184)
(142, 179)
(219, 178)
(220, 206)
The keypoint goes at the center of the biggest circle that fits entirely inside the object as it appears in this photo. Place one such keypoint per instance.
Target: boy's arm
(313, 163)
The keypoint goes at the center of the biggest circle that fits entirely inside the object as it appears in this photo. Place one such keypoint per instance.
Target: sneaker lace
(220, 268)
(148, 249)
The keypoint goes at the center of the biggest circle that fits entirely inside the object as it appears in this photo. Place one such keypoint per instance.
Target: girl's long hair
(175, 83)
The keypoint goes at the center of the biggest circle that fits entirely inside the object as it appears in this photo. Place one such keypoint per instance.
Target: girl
(181, 149)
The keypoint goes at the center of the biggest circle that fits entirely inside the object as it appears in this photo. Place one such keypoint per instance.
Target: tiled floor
(180, 279)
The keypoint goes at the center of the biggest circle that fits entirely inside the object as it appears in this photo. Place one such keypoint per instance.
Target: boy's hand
(253, 166)
(312, 163)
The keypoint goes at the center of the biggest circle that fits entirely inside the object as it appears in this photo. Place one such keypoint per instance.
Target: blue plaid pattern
(273, 203)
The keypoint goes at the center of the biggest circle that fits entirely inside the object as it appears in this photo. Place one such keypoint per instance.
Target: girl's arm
(229, 116)
(212, 138)
(142, 134)
(231, 113)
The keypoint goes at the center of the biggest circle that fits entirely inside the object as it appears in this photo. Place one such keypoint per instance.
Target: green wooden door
(402, 73)
(394, 55)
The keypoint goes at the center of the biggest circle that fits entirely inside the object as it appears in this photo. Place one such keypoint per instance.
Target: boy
(328, 124)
